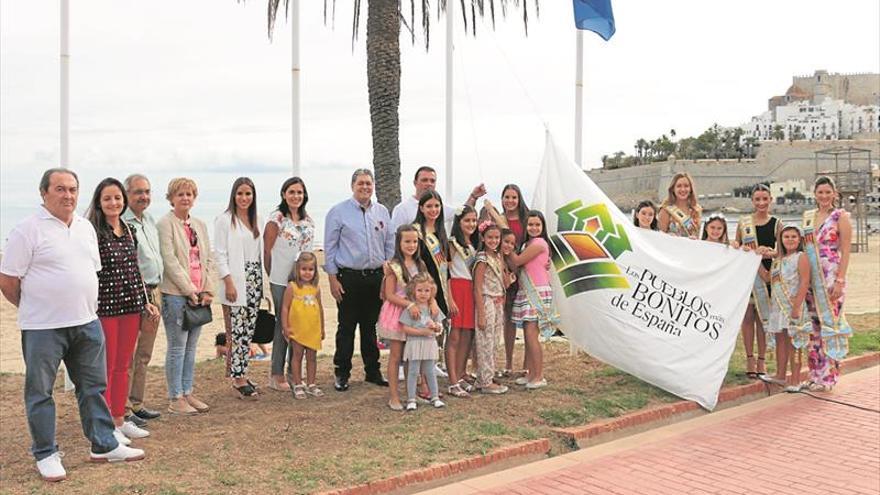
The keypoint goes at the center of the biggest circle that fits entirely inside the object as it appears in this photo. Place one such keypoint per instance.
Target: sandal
(246, 392)
(505, 373)
(395, 407)
(457, 391)
(299, 391)
(751, 375)
(466, 386)
(314, 391)
(761, 373)
(280, 387)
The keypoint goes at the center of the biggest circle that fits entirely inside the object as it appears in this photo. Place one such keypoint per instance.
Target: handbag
(195, 316)
(264, 333)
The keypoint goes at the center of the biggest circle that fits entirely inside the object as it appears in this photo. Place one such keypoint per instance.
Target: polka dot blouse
(120, 287)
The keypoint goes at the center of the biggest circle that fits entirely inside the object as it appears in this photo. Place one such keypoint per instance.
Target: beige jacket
(174, 246)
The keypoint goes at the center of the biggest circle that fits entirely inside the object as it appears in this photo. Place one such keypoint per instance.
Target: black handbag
(195, 316)
(264, 333)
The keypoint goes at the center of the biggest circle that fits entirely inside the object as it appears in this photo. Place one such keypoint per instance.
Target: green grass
(864, 342)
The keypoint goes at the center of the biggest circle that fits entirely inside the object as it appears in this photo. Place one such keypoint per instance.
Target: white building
(830, 119)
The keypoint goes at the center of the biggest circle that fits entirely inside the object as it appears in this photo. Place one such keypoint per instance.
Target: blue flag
(595, 16)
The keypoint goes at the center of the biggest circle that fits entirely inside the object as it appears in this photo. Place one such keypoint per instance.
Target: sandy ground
(862, 296)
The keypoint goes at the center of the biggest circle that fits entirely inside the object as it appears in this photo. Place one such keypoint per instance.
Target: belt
(366, 272)
(151, 286)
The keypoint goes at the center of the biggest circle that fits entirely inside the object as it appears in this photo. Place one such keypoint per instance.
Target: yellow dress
(304, 317)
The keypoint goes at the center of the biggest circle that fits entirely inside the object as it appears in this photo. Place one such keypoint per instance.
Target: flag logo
(585, 248)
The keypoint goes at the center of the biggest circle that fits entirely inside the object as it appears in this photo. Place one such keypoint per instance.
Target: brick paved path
(788, 444)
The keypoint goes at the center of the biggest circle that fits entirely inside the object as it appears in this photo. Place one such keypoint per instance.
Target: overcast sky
(193, 86)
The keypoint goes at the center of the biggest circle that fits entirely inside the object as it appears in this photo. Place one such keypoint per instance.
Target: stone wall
(858, 89)
(716, 179)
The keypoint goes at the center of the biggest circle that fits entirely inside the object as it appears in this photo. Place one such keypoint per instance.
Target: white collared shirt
(58, 266)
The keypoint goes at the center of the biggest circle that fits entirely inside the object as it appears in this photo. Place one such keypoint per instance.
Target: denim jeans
(180, 358)
(82, 350)
(279, 343)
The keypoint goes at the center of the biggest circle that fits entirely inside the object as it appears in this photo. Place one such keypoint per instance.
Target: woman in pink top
(533, 309)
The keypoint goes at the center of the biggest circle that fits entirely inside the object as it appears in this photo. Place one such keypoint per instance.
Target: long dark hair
(439, 224)
(458, 234)
(522, 211)
(712, 218)
(528, 237)
(232, 209)
(96, 215)
(282, 206)
(485, 231)
(399, 257)
(645, 204)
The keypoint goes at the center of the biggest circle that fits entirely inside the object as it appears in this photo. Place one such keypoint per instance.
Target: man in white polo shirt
(426, 180)
(49, 271)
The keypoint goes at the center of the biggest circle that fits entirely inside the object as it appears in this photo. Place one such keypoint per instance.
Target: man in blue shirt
(358, 238)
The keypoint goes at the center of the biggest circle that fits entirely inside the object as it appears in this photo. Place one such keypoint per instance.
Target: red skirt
(462, 291)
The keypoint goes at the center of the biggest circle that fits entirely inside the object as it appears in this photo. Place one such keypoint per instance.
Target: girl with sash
(790, 280)
(679, 213)
(533, 308)
(827, 237)
(462, 250)
(514, 218)
(758, 232)
(434, 249)
(399, 270)
(645, 215)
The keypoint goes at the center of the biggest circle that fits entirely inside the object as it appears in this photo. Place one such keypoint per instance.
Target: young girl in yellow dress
(304, 325)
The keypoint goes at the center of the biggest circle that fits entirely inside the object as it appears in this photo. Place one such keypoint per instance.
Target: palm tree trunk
(383, 81)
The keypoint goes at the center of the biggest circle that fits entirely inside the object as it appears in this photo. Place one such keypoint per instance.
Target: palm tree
(384, 18)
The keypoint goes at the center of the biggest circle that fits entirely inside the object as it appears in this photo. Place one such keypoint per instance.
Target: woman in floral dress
(289, 231)
(827, 235)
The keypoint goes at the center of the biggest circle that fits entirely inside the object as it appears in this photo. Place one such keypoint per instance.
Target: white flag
(665, 309)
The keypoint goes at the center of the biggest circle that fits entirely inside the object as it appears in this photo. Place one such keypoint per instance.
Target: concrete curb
(441, 474)
(638, 421)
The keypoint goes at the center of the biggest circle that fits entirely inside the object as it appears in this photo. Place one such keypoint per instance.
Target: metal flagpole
(65, 115)
(294, 85)
(65, 84)
(450, 9)
(578, 122)
(579, 102)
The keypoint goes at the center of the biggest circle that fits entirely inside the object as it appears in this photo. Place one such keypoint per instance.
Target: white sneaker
(120, 437)
(523, 380)
(438, 371)
(51, 469)
(437, 403)
(411, 405)
(119, 454)
(538, 384)
(131, 430)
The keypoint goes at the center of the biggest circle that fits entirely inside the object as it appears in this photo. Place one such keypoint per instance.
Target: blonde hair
(692, 197)
(177, 184)
(304, 257)
(418, 279)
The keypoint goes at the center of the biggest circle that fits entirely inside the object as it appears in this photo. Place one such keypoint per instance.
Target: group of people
(407, 278)
(800, 287)
(125, 271)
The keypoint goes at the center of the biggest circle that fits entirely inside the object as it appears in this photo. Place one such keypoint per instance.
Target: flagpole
(450, 8)
(65, 84)
(294, 86)
(579, 101)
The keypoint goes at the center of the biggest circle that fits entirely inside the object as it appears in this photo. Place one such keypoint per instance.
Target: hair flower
(485, 224)
(459, 211)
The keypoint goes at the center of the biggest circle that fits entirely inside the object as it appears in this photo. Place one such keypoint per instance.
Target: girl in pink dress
(398, 272)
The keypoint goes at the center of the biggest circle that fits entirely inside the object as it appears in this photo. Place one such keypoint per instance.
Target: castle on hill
(820, 107)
